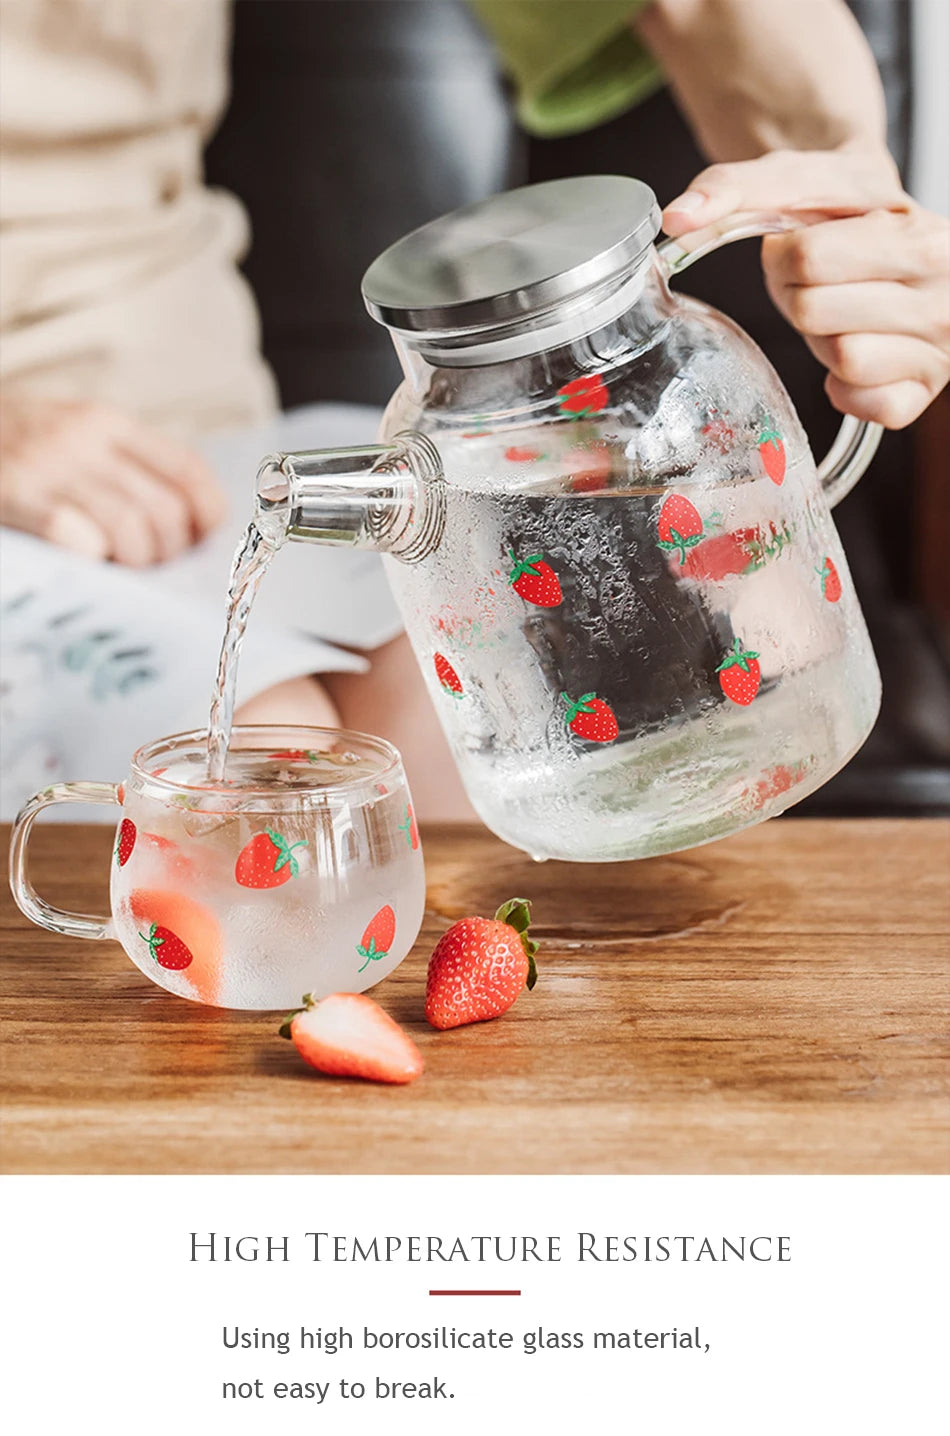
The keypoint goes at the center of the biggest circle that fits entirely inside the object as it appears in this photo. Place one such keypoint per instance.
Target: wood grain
(773, 1003)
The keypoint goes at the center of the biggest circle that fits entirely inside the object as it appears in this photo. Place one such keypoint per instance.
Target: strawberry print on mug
(378, 937)
(267, 861)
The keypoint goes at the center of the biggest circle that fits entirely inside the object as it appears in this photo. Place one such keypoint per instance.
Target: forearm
(753, 76)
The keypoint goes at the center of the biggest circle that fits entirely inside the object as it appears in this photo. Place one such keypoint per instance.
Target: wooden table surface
(773, 1003)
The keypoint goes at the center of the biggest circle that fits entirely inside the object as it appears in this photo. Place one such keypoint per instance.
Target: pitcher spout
(387, 497)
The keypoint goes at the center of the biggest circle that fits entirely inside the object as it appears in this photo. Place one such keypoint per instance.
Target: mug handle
(28, 900)
(857, 441)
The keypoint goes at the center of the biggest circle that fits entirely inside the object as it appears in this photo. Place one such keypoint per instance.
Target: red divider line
(474, 1293)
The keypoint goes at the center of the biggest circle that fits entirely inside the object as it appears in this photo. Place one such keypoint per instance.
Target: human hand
(866, 279)
(91, 478)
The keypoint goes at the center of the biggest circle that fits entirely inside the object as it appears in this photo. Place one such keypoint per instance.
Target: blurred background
(347, 123)
(353, 117)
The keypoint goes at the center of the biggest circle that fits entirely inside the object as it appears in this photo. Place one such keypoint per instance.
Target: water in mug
(346, 903)
(356, 870)
(641, 630)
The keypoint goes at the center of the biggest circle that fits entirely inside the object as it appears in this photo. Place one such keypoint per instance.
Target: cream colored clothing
(118, 277)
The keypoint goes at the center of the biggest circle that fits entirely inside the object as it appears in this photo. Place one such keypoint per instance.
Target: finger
(68, 527)
(165, 506)
(867, 360)
(128, 529)
(881, 245)
(874, 307)
(787, 181)
(178, 465)
(892, 405)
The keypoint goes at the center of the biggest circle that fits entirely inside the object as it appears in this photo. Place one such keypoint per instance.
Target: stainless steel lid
(512, 256)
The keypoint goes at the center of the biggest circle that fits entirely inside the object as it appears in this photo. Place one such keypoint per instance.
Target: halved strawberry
(125, 842)
(480, 966)
(295, 755)
(591, 718)
(773, 452)
(378, 937)
(267, 861)
(740, 675)
(349, 1035)
(516, 455)
(535, 581)
(447, 676)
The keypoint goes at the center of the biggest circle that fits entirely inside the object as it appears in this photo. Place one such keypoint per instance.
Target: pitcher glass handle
(857, 441)
(28, 900)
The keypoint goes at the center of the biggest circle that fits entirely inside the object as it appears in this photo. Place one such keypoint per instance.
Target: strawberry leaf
(308, 1001)
(516, 912)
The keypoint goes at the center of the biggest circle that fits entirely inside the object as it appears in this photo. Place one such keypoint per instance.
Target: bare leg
(298, 700)
(391, 700)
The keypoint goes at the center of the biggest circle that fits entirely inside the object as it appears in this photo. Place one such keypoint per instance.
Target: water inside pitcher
(605, 530)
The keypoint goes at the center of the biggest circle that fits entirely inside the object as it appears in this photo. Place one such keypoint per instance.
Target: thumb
(816, 184)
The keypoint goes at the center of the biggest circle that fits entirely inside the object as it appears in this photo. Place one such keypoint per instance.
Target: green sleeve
(575, 63)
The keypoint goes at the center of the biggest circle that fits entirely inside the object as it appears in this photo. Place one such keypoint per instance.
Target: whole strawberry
(480, 966)
(740, 675)
(534, 580)
(349, 1035)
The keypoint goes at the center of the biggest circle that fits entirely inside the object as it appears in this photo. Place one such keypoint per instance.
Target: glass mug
(301, 872)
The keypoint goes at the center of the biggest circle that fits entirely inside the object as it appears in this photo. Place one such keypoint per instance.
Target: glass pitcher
(606, 533)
